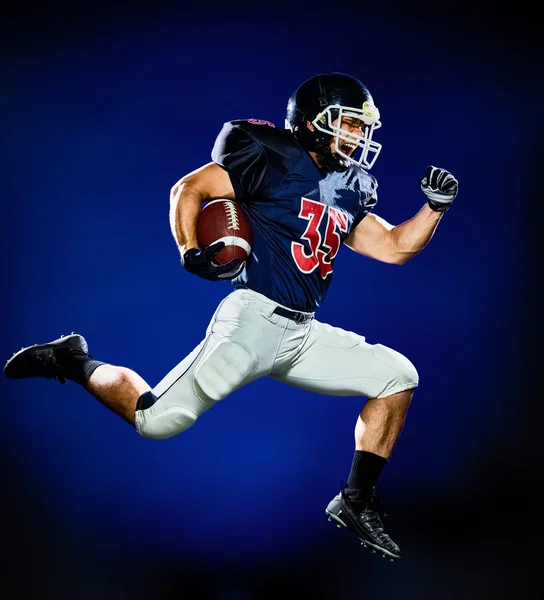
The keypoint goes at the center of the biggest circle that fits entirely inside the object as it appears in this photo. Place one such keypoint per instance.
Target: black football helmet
(323, 99)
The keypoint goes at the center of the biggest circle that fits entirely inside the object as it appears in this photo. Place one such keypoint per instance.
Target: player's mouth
(347, 148)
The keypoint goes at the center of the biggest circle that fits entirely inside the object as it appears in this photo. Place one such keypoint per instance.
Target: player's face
(350, 125)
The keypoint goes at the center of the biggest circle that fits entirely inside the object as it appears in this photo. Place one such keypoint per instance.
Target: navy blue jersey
(299, 215)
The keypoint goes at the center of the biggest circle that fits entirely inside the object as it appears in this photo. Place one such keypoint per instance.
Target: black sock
(77, 365)
(365, 473)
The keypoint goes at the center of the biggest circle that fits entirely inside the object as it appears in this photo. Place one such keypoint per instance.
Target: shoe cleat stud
(338, 525)
(373, 551)
(329, 519)
(392, 559)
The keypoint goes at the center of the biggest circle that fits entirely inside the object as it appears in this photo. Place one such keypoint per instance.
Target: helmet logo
(370, 113)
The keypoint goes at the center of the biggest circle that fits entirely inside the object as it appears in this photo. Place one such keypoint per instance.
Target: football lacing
(232, 215)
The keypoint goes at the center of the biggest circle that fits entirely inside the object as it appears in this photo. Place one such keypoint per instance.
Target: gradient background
(103, 110)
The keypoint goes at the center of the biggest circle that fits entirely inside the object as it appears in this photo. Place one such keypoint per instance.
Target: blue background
(103, 110)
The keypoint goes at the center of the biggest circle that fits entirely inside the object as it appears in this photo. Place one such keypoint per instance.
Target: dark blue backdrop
(103, 111)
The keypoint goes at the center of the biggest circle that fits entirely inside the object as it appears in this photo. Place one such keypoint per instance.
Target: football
(224, 221)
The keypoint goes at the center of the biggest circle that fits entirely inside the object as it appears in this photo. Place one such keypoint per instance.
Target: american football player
(306, 188)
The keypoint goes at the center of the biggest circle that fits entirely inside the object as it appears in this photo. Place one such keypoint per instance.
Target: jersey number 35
(322, 251)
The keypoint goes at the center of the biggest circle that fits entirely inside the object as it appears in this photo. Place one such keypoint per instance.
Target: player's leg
(235, 350)
(173, 406)
(340, 363)
(170, 408)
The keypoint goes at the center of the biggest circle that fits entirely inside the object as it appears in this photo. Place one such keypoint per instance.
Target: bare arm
(209, 182)
(376, 238)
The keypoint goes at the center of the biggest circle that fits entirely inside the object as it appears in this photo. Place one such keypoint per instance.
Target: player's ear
(310, 126)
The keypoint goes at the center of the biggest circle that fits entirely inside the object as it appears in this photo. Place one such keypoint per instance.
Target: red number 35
(322, 252)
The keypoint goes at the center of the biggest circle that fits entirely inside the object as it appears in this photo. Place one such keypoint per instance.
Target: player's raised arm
(375, 238)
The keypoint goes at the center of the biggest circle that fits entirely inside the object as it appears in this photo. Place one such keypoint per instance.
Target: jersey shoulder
(259, 141)
(257, 131)
(257, 155)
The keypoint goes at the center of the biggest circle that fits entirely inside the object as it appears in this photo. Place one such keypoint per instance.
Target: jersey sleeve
(367, 206)
(243, 158)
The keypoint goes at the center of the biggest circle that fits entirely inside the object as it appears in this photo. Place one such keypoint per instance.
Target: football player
(306, 189)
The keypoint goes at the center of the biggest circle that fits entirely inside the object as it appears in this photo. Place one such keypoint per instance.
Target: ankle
(77, 365)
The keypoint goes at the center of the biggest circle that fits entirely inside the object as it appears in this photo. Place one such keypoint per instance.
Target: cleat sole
(365, 543)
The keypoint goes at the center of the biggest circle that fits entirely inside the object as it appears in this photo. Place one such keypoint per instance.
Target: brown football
(224, 221)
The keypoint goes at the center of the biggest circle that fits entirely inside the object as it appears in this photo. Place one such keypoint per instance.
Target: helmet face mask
(324, 101)
(330, 121)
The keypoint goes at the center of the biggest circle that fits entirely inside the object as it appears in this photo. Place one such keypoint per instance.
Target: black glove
(440, 187)
(200, 262)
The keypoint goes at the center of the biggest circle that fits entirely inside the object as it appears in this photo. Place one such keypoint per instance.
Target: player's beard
(330, 161)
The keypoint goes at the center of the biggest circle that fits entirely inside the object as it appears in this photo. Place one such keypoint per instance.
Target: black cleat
(360, 516)
(41, 360)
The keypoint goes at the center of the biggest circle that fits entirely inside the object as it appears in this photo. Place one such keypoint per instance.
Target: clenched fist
(440, 187)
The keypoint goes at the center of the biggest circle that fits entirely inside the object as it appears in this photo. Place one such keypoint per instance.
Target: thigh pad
(226, 367)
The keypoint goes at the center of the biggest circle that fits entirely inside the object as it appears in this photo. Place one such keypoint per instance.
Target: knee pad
(403, 374)
(224, 369)
(166, 424)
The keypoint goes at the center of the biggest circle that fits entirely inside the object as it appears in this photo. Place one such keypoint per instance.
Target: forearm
(410, 237)
(185, 205)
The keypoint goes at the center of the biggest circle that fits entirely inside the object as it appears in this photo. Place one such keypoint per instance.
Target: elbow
(191, 189)
(174, 193)
(187, 189)
(395, 257)
(178, 187)
(401, 258)
(400, 254)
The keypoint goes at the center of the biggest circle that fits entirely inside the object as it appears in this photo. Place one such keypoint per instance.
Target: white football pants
(246, 340)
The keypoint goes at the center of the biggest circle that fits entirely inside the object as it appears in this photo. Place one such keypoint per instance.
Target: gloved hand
(200, 262)
(440, 187)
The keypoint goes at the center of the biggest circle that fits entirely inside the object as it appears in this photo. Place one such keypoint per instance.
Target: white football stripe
(231, 240)
(219, 200)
